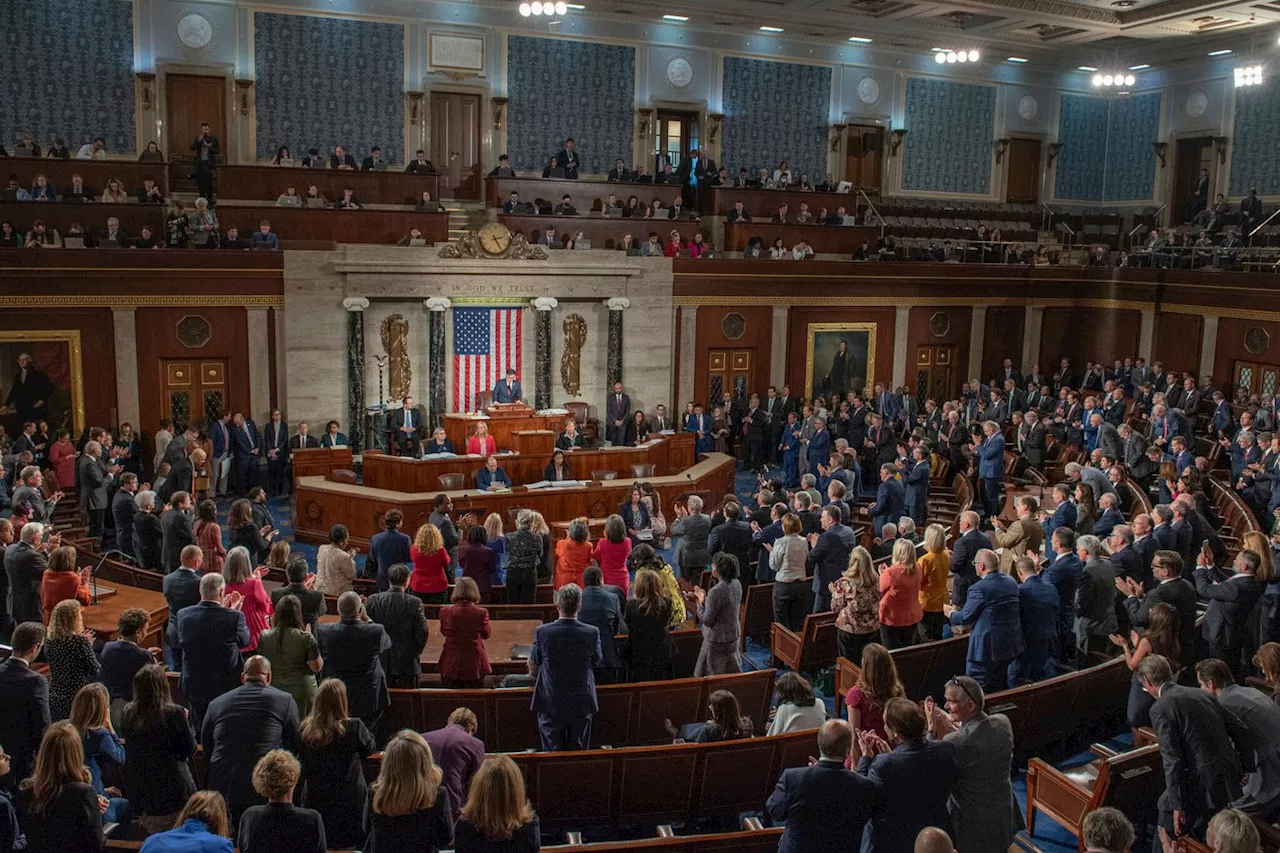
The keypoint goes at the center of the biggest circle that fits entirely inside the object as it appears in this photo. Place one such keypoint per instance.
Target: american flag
(486, 341)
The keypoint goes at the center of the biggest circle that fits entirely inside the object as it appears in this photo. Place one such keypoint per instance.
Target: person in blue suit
(333, 437)
(1065, 572)
(790, 447)
(439, 444)
(388, 548)
(508, 390)
(204, 828)
(991, 467)
(1222, 418)
(246, 450)
(966, 548)
(916, 480)
(890, 498)
(819, 450)
(210, 637)
(1109, 518)
(991, 612)
(824, 806)
(491, 476)
(767, 535)
(1064, 513)
(829, 556)
(915, 775)
(563, 659)
(698, 423)
(1038, 608)
(181, 590)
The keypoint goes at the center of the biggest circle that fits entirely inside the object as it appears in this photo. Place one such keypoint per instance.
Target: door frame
(841, 154)
(1169, 184)
(666, 104)
(197, 362)
(490, 140)
(232, 151)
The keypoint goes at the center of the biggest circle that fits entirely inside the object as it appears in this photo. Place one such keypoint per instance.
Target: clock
(195, 31)
(679, 72)
(494, 239)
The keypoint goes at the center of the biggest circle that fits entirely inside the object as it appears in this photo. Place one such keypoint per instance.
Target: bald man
(242, 726)
(934, 840)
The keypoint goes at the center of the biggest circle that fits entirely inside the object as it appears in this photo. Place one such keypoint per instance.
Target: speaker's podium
(503, 420)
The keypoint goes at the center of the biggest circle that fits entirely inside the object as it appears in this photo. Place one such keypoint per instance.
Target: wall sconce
(897, 141)
(415, 103)
(1054, 148)
(1220, 143)
(1162, 151)
(499, 104)
(646, 114)
(836, 140)
(1001, 145)
(147, 80)
(713, 126)
(243, 87)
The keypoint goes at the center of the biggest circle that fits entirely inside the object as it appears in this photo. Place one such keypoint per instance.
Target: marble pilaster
(688, 351)
(1208, 345)
(1031, 338)
(901, 326)
(778, 347)
(977, 339)
(1147, 335)
(259, 364)
(613, 369)
(355, 306)
(438, 306)
(543, 305)
(125, 331)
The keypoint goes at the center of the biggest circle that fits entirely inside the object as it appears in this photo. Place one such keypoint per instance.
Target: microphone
(93, 572)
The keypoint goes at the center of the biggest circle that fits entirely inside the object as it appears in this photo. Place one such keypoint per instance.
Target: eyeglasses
(956, 682)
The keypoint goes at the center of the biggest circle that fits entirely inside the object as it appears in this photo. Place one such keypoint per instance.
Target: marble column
(259, 365)
(543, 305)
(688, 354)
(901, 326)
(1208, 346)
(1147, 335)
(355, 306)
(1031, 340)
(616, 306)
(977, 339)
(438, 306)
(125, 331)
(778, 347)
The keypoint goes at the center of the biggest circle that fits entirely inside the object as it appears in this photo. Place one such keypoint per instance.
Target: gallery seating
(813, 648)
(603, 232)
(338, 226)
(266, 183)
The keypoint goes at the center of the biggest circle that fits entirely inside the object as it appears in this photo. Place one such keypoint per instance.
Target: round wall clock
(679, 72)
(195, 31)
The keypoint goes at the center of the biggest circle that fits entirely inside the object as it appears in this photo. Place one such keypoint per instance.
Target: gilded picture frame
(15, 343)
(822, 342)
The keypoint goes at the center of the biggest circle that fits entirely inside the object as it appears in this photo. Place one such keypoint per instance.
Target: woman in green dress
(293, 652)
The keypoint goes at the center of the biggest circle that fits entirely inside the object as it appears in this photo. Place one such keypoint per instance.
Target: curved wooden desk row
(265, 183)
(340, 226)
(667, 455)
(96, 173)
(321, 503)
(825, 239)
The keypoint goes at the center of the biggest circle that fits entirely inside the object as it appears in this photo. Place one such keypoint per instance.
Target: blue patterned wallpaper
(1131, 157)
(560, 88)
(1253, 140)
(949, 131)
(776, 111)
(68, 65)
(323, 82)
(1081, 163)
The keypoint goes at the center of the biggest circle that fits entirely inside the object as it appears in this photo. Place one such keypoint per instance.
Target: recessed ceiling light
(1222, 52)
(1139, 67)
(1124, 4)
(860, 39)
(1085, 68)
(771, 29)
(1122, 93)
(577, 6)
(681, 18)
(1017, 59)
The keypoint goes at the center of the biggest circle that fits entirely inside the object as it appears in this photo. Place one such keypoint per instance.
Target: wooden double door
(731, 370)
(189, 100)
(1261, 379)
(1022, 181)
(193, 391)
(455, 143)
(864, 158)
(935, 372)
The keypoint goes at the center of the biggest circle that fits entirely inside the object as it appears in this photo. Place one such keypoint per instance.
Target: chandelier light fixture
(948, 56)
(1118, 80)
(538, 8)
(1248, 75)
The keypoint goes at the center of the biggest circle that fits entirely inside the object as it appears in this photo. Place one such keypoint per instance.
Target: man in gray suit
(29, 493)
(694, 529)
(1095, 599)
(1262, 717)
(602, 608)
(1205, 749)
(984, 814)
(94, 478)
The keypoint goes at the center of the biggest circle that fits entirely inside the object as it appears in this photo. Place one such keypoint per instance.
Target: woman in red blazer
(465, 625)
(482, 444)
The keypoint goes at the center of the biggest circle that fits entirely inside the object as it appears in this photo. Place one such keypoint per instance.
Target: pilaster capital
(545, 303)
(355, 303)
(438, 303)
(617, 303)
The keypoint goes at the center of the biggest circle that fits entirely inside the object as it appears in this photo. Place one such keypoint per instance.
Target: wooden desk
(267, 183)
(504, 633)
(667, 454)
(321, 504)
(91, 217)
(102, 617)
(825, 239)
(762, 204)
(586, 196)
(503, 424)
(603, 232)
(340, 226)
(319, 462)
(96, 173)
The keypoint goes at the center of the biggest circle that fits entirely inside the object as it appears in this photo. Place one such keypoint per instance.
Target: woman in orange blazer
(482, 444)
(61, 581)
(573, 554)
(465, 625)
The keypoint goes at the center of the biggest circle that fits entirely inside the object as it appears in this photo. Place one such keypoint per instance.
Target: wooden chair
(604, 475)
(452, 482)
(756, 612)
(1129, 781)
(642, 470)
(812, 649)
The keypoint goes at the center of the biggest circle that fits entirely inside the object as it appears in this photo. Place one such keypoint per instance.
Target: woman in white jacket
(791, 595)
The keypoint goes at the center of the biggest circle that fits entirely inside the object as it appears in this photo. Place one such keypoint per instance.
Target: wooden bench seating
(1049, 711)
(630, 714)
(756, 612)
(923, 669)
(1237, 518)
(812, 649)
(946, 508)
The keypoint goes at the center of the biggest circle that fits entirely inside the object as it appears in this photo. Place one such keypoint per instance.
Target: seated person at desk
(619, 172)
(427, 204)
(149, 193)
(491, 477)
(407, 424)
(481, 443)
(553, 169)
(556, 470)
(438, 444)
(549, 239)
(503, 169)
(233, 240)
(333, 438)
(374, 162)
(421, 165)
(264, 239)
(565, 207)
(512, 204)
(571, 439)
(508, 390)
(349, 201)
(340, 159)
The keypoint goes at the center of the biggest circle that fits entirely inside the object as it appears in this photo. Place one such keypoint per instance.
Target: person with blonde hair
(59, 808)
(787, 556)
(1269, 603)
(900, 610)
(649, 650)
(430, 578)
(935, 566)
(91, 715)
(280, 825)
(202, 827)
(497, 815)
(334, 747)
(464, 663)
(407, 807)
(1232, 831)
(69, 651)
(855, 598)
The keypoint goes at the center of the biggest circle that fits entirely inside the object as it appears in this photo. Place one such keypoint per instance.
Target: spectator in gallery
(333, 437)
(264, 239)
(289, 198)
(41, 190)
(652, 248)
(9, 238)
(233, 240)
(675, 245)
(550, 239)
(282, 157)
(95, 150)
(149, 192)
(503, 169)
(565, 207)
(79, 191)
(204, 223)
(147, 239)
(151, 155)
(314, 198)
(512, 204)
(422, 166)
(427, 204)
(779, 251)
(349, 200)
(41, 236)
(553, 169)
(374, 162)
(340, 159)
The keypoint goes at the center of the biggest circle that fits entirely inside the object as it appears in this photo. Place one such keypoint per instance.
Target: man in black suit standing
(123, 509)
(175, 527)
(25, 562)
(207, 150)
(733, 536)
(618, 412)
(568, 160)
(246, 446)
(407, 424)
(1205, 748)
(400, 614)
(275, 446)
(211, 634)
(24, 702)
(603, 609)
(693, 174)
(1172, 589)
(302, 586)
(971, 541)
(352, 650)
(181, 590)
(563, 661)
(1230, 603)
(95, 476)
(755, 432)
(240, 727)
(1250, 212)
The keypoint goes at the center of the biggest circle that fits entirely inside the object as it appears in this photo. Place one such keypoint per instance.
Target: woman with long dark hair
(60, 810)
(209, 538)
(160, 747)
(334, 747)
(1161, 638)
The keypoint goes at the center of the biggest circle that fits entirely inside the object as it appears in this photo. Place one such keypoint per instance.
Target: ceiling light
(771, 29)
(577, 7)
(940, 57)
(1097, 79)
(1249, 75)
(1139, 67)
(973, 56)
(1085, 68)
(562, 8)
(536, 7)
(1222, 52)
(1017, 59)
(860, 39)
(681, 18)
(962, 57)
(1107, 79)
(1129, 79)
(525, 10)
(951, 57)
(936, 49)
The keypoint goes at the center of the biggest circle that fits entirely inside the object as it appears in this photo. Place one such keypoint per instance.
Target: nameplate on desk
(553, 484)
(100, 591)
(445, 455)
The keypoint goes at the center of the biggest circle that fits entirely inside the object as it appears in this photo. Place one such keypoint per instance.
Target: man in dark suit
(458, 753)
(991, 610)
(388, 548)
(175, 527)
(29, 392)
(1095, 600)
(1230, 603)
(568, 160)
(618, 412)
(1038, 609)
(824, 805)
(829, 556)
(1261, 717)
(181, 590)
(24, 702)
(240, 727)
(1065, 572)
(1109, 518)
(340, 159)
(890, 502)
(374, 162)
(1205, 748)
(123, 509)
(182, 474)
(971, 541)
(352, 650)
(563, 659)
(25, 562)
(1169, 588)
(755, 433)
(206, 160)
(1031, 439)
(491, 476)
(693, 175)
(1250, 211)
(733, 536)
(246, 449)
(619, 172)
(402, 618)
(300, 585)
(95, 477)
(603, 610)
(406, 422)
(211, 634)
(990, 455)
(303, 440)
(275, 446)
(508, 390)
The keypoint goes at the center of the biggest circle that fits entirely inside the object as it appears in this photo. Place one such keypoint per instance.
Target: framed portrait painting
(41, 378)
(839, 357)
